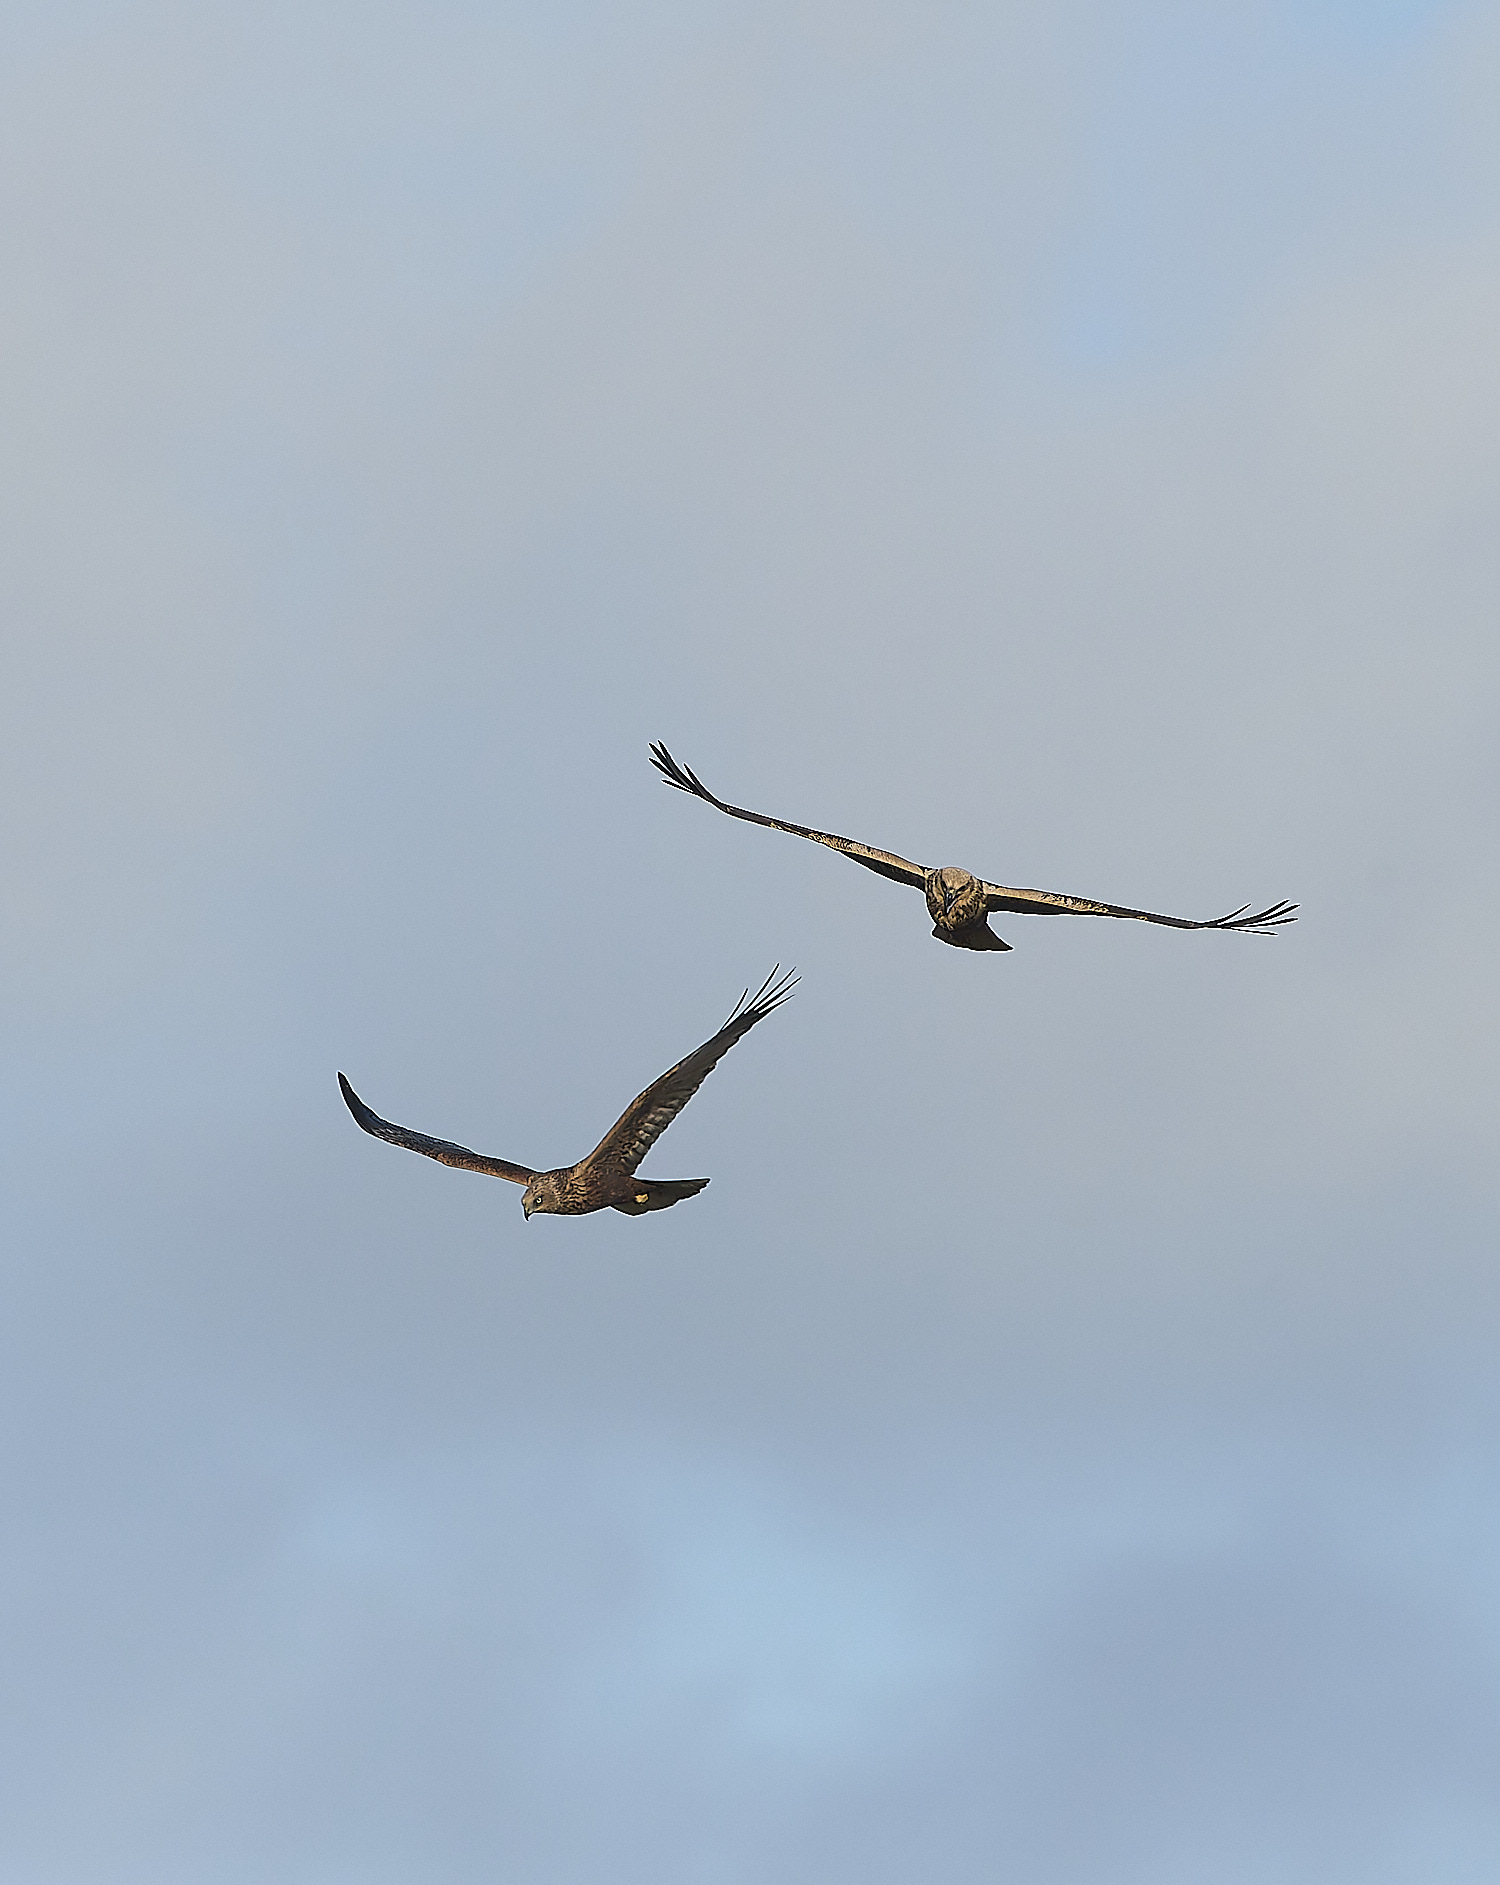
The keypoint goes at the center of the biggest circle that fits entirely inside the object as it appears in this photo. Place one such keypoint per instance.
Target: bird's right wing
(898, 869)
(440, 1149)
(649, 1114)
(1050, 903)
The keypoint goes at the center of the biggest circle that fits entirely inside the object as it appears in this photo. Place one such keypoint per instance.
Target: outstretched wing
(440, 1149)
(898, 869)
(647, 1116)
(1047, 903)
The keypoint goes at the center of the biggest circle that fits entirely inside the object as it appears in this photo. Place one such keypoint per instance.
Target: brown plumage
(607, 1177)
(959, 902)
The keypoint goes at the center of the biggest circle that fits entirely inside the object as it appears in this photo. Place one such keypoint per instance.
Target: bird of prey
(608, 1175)
(958, 902)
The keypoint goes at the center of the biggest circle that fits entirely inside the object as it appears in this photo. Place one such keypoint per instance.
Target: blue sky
(1059, 1443)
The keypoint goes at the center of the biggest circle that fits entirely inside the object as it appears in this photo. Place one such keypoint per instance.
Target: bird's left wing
(1048, 903)
(647, 1116)
(441, 1149)
(899, 869)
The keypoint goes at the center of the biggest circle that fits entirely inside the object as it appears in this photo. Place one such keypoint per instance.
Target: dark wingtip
(767, 998)
(683, 777)
(1265, 922)
(361, 1112)
(668, 767)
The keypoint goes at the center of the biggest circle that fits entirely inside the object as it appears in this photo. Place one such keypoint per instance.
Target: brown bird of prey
(957, 901)
(607, 1176)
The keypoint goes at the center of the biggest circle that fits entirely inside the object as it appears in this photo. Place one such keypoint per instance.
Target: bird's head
(954, 896)
(540, 1194)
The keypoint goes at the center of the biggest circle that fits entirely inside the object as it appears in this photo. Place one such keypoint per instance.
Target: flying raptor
(958, 902)
(608, 1175)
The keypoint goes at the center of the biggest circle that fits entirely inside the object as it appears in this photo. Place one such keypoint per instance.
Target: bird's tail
(974, 936)
(658, 1194)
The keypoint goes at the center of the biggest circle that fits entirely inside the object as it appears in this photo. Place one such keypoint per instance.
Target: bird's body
(955, 902)
(958, 902)
(571, 1191)
(606, 1179)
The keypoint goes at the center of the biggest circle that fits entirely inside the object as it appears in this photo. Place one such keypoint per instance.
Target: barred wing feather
(648, 1115)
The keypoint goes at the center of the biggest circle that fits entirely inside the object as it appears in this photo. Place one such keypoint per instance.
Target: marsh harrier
(608, 1175)
(957, 901)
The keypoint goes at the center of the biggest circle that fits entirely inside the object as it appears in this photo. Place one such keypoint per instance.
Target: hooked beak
(525, 1207)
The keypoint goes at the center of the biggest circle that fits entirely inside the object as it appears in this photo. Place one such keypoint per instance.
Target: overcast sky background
(1063, 1444)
